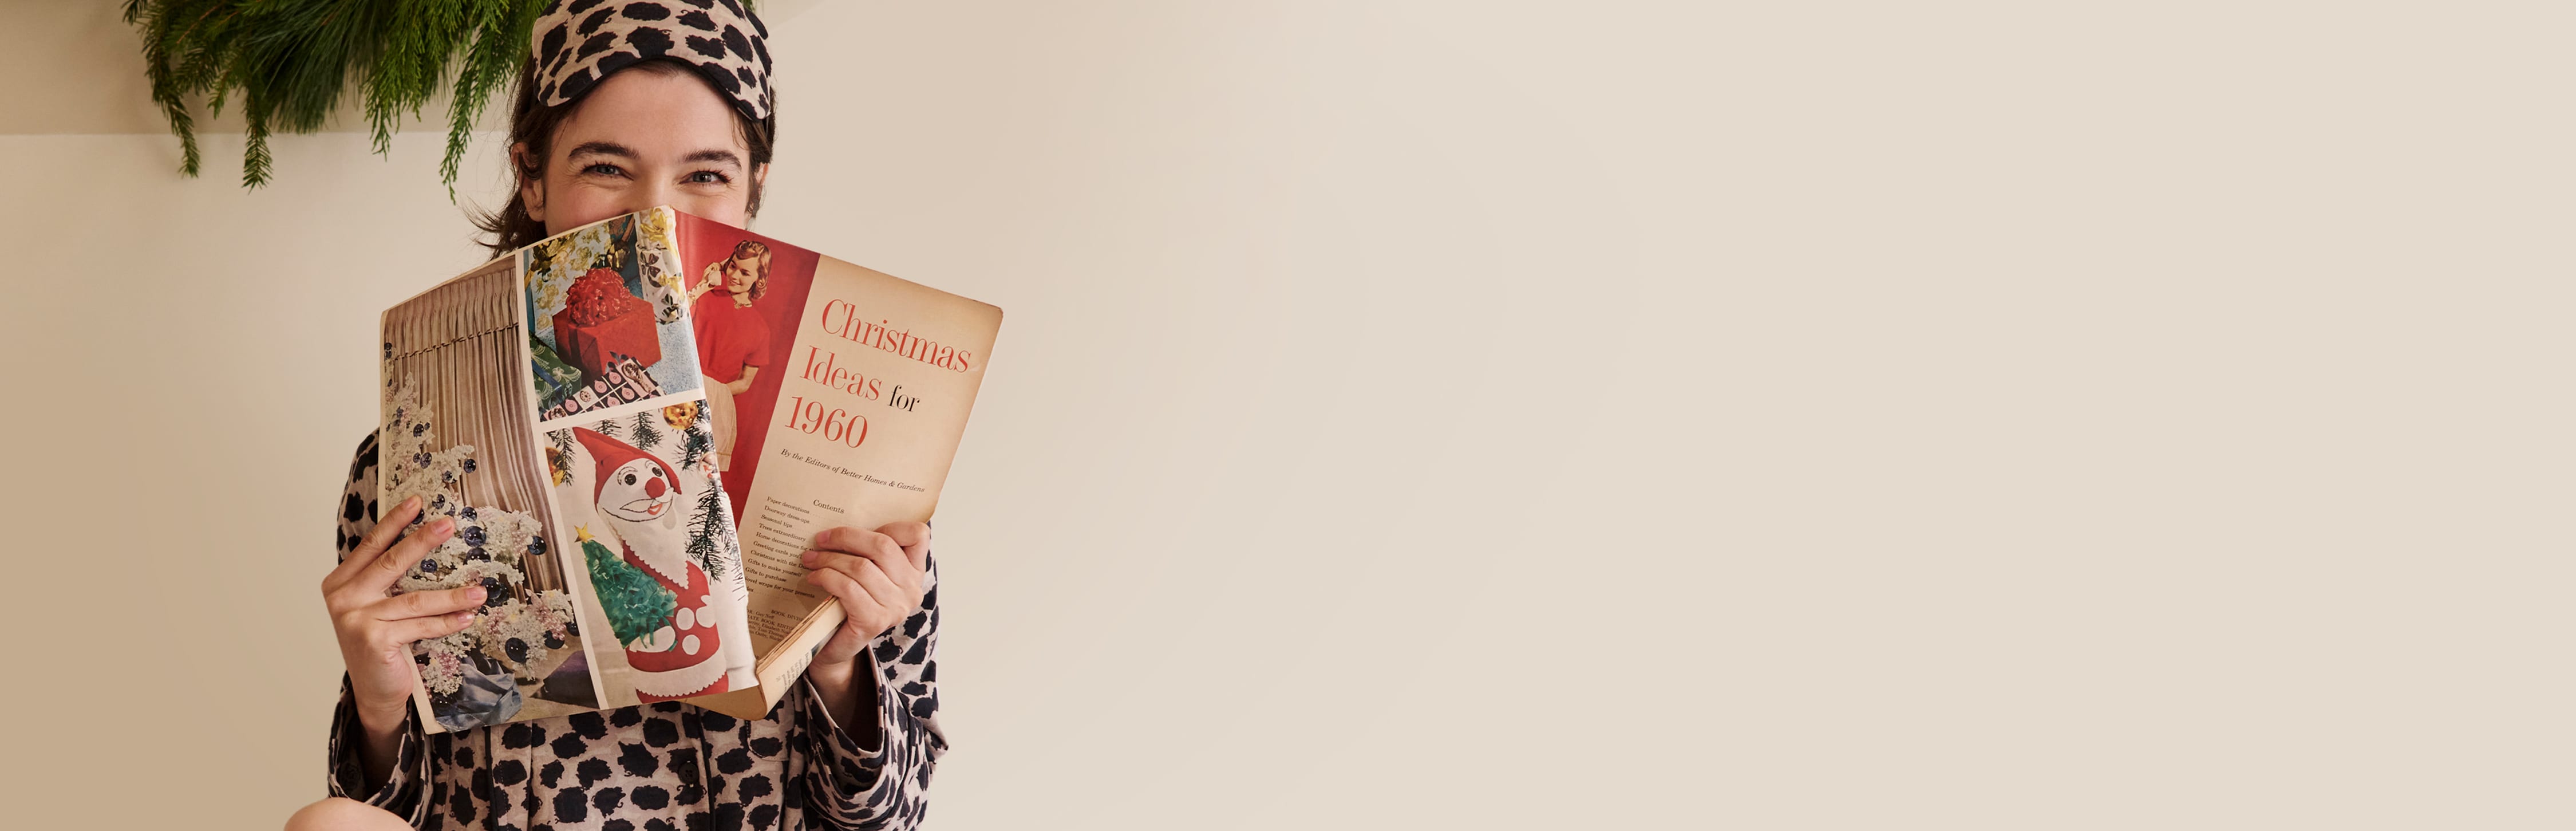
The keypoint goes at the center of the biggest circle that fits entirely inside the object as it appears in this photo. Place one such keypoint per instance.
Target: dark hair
(534, 125)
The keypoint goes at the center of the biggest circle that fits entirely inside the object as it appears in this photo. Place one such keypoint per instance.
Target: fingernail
(443, 525)
(475, 594)
(807, 557)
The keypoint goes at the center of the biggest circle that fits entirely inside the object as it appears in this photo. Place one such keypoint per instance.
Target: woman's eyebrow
(725, 156)
(604, 148)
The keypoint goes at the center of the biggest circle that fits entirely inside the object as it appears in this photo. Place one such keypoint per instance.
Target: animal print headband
(578, 43)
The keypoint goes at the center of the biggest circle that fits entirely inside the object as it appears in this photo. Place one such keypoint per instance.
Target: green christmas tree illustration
(636, 605)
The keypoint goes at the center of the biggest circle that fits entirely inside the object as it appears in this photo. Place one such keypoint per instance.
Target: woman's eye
(707, 177)
(604, 169)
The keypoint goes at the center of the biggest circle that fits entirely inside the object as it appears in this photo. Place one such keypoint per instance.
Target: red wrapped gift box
(627, 327)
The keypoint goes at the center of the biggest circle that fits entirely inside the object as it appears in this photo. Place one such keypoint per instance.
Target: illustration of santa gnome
(684, 634)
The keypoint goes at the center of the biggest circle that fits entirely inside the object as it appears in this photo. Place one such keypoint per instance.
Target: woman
(733, 340)
(626, 104)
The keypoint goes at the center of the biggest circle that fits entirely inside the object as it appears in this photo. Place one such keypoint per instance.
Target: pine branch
(500, 45)
(694, 447)
(290, 63)
(706, 525)
(255, 158)
(645, 436)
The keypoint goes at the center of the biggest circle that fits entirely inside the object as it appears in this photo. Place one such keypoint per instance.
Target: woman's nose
(655, 194)
(653, 488)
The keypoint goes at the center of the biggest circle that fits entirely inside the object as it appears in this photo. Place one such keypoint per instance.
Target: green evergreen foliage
(694, 444)
(289, 62)
(706, 527)
(645, 436)
(635, 604)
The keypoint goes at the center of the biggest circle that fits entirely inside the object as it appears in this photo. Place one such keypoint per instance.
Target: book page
(457, 419)
(855, 391)
(640, 514)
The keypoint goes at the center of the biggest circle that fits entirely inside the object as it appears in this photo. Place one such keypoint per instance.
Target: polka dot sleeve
(885, 786)
(400, 793)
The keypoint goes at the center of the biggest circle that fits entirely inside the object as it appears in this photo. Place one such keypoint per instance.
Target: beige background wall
(1447, 414)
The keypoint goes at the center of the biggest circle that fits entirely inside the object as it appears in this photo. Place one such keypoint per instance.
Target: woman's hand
(877, 577)
(708, 280)
(376, 630)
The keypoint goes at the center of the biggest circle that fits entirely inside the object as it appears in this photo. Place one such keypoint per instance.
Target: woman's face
(640, 139)
(739, 275)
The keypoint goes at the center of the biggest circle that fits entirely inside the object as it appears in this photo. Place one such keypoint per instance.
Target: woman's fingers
(389, 566)
(876, 574)
(844, 565)
(404, 632)
(915, 539)
(854, 598)
(880, 548)
(428, 604)
(850, 539)
(399, 620)
(373, 544)
(881, 586)
(859, 569)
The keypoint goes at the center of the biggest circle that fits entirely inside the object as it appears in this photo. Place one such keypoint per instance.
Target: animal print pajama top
(665, 766)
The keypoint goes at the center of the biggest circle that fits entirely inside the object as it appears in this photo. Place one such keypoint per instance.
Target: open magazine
(639, 426)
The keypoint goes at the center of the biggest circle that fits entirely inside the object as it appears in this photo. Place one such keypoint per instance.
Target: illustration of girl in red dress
(733, 339)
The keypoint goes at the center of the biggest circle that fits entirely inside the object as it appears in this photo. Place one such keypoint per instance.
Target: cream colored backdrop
(1422, 414)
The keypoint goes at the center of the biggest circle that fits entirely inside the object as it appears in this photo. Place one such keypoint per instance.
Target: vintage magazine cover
(638, 426)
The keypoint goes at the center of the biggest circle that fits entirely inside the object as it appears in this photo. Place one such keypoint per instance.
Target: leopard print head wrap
(576, 43)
